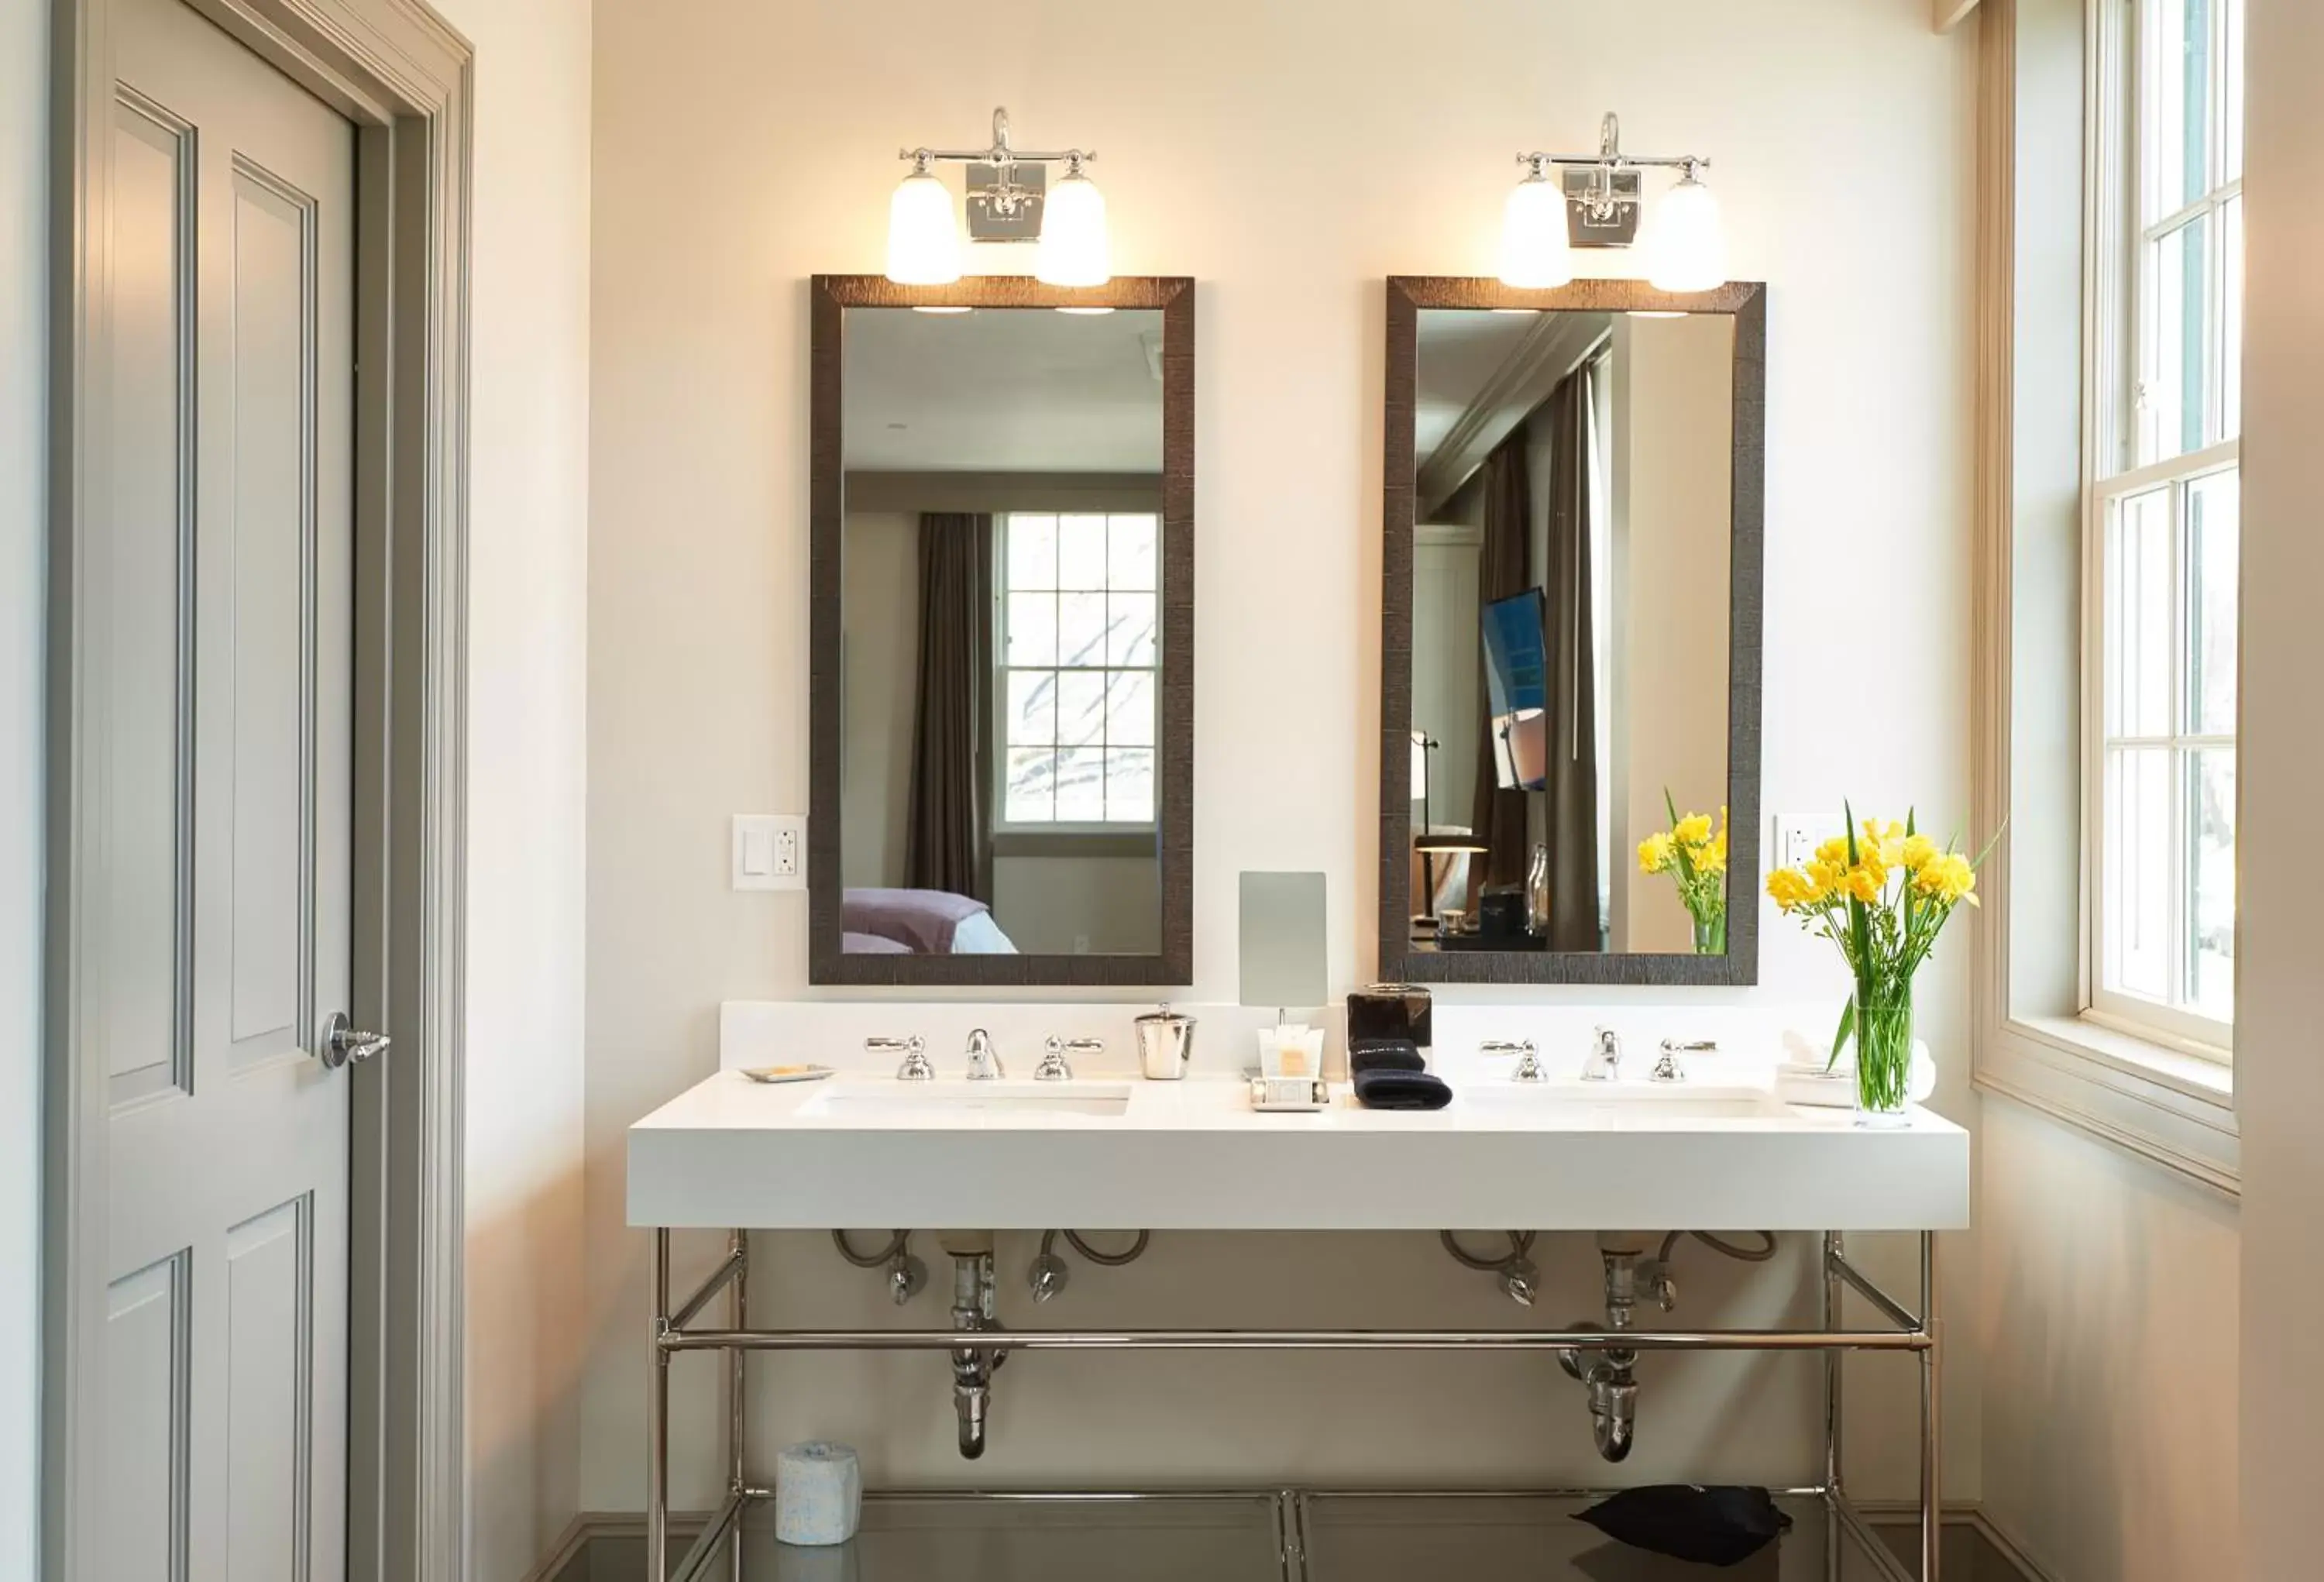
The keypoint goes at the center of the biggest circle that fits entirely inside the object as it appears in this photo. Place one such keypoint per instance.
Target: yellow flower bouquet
(1882, 893)
(1694, 852)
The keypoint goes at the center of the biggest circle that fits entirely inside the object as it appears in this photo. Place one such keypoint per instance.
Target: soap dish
(1290, 1095)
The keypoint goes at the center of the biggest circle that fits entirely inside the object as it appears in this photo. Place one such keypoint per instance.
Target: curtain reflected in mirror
(1571, 592)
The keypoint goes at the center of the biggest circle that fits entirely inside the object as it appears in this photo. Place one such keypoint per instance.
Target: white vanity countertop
(862, 1150)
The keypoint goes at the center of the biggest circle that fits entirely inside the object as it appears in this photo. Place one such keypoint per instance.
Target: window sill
(2170, 1109)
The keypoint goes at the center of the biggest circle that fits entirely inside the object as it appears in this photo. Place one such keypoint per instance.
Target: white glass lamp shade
(1536, 255)
(1074, 250)
(1686, 249)
(923, 233)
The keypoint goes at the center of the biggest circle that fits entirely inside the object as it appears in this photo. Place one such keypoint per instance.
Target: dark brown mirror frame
(830, 295)
(1406, 296)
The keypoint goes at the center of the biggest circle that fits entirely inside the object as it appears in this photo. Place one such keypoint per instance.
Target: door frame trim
(404, 77)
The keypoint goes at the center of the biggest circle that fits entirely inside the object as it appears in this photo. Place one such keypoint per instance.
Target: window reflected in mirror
(1571, 601)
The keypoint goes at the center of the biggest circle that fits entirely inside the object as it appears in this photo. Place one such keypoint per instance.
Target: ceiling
(1460, 351)
(1004, 390)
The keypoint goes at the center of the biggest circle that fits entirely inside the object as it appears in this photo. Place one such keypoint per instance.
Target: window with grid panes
(2163, 521)
(1077, 656)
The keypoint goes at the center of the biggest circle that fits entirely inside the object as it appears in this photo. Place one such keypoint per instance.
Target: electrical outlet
(769, 851)
(1794, 842)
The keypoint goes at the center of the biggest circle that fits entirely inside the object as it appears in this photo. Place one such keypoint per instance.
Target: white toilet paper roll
(818, 1493)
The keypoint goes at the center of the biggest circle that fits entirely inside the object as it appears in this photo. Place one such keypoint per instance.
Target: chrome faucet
(915, 1067)
(1604, 1061)
(983, 1059)
(1667, 1064)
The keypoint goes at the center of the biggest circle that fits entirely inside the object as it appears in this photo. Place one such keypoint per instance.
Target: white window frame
(2041, 202)
(2120, 366)
(1001, 824)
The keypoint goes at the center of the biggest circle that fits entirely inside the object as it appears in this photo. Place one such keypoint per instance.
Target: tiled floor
(1346, 1539)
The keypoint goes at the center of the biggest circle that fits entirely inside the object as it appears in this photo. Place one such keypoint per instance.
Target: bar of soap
(818, 1493)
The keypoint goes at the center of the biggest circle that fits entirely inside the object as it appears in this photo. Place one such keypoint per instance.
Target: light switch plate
(769, 851)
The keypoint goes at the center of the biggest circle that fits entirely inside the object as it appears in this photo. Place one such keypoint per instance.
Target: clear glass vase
(1711, 935)
(1883, 1056)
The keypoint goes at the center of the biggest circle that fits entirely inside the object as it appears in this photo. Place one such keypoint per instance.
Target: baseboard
(2008, 1547)
(608, 1544)
(589, 1535)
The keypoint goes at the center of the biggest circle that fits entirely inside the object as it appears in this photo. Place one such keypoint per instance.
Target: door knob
(343, 1041)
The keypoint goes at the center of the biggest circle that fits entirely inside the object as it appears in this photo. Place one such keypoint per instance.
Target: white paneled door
(218, 586)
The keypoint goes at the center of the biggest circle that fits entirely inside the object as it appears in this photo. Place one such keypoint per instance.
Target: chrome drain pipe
(1609, 1374)
(973, 1367)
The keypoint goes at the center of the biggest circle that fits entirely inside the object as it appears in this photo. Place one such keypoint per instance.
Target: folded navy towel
(1385, 1054)
(1401, 1090)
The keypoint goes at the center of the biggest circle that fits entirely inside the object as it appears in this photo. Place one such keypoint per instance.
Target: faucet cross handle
(914, 1066)
(983, 1059)
(1667, 1067)
(1528, 1066)
(1604, 1061)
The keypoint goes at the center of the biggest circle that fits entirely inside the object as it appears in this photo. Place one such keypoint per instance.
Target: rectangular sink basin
(1617, 1104)
(873, 1103)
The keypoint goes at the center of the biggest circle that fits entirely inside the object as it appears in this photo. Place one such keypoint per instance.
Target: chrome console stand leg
(658, 1420)
(738, 1309)
(1829, 1312)
(1932, 1382)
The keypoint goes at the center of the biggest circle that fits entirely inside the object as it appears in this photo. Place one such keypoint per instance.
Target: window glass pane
(1130, 785)
(1032, 629)
(1129, 640)
(2211, 903)
(2140, 655)
(1081, 708)
(2231, 319)
(2179, 328)
(1081, 629)
(1032, 552)
(2211, 562)
(2140, 877)
(1081, 553)
(2231, 129)
(1129, 708)
(2176, 122)
(1131, 563)
(1031, 795)
(1032, 719)
(1081, 785)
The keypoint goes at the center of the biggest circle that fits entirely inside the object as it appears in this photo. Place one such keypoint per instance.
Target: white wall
(2105, 1320)
(1277, 154)
(2279, 1078)
(527, 655)
(23, 537)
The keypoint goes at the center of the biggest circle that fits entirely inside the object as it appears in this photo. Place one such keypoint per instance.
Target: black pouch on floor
(1714, 1526)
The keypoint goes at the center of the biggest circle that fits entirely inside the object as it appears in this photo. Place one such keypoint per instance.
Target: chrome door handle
(343, 1041)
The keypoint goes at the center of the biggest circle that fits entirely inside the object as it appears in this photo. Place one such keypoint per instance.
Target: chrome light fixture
(1596, 202)
(1009, 199)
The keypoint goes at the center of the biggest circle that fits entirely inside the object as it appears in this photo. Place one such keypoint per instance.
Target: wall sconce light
(1596, 202)
(1009, 200)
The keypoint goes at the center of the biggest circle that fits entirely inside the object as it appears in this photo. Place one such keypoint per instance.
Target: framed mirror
(1001, 602)
(1570, 632)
